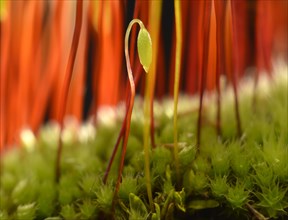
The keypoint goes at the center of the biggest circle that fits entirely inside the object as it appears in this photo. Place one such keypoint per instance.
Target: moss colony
(229, 178)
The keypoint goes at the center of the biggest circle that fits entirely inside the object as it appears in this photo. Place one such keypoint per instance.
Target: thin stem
(155, 12)
(128, 120)
(236, 65)
(152, 124)
(220, 20)
(147, 121)
(176, 83)
(120, 136)
(257, 214)
(67, 81)
(207, 16)
(218, 116)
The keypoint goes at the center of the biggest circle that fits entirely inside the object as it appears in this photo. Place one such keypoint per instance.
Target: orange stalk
(5, 37)
(212, 54)
(235, 60)
(16, 16)
(76, 90)
(220, 29)
(193, 42)
(206, 33)
(27, 56)
(51, 68)
(128, 110)
(67, 81)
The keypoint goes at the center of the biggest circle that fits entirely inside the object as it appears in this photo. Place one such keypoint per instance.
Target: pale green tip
(144, 45)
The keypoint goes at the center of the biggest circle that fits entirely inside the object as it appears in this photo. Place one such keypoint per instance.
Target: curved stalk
(128, 120)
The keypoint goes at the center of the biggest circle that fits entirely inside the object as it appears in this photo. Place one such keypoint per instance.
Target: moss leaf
(137, 208)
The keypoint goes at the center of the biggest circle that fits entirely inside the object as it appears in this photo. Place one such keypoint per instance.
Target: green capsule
(144, 45)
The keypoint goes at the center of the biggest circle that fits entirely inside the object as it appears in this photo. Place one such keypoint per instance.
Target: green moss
(237, 195)
(219, 186)
(25, 212)
(223, 177)
(129, 185)
(68, 212)
(87, 209)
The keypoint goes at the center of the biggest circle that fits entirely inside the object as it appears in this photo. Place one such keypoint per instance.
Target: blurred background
(36, 38)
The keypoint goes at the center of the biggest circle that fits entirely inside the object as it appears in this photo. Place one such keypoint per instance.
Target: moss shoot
(230, 177)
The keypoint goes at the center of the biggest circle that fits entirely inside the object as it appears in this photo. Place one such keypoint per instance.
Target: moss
(224, 176)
